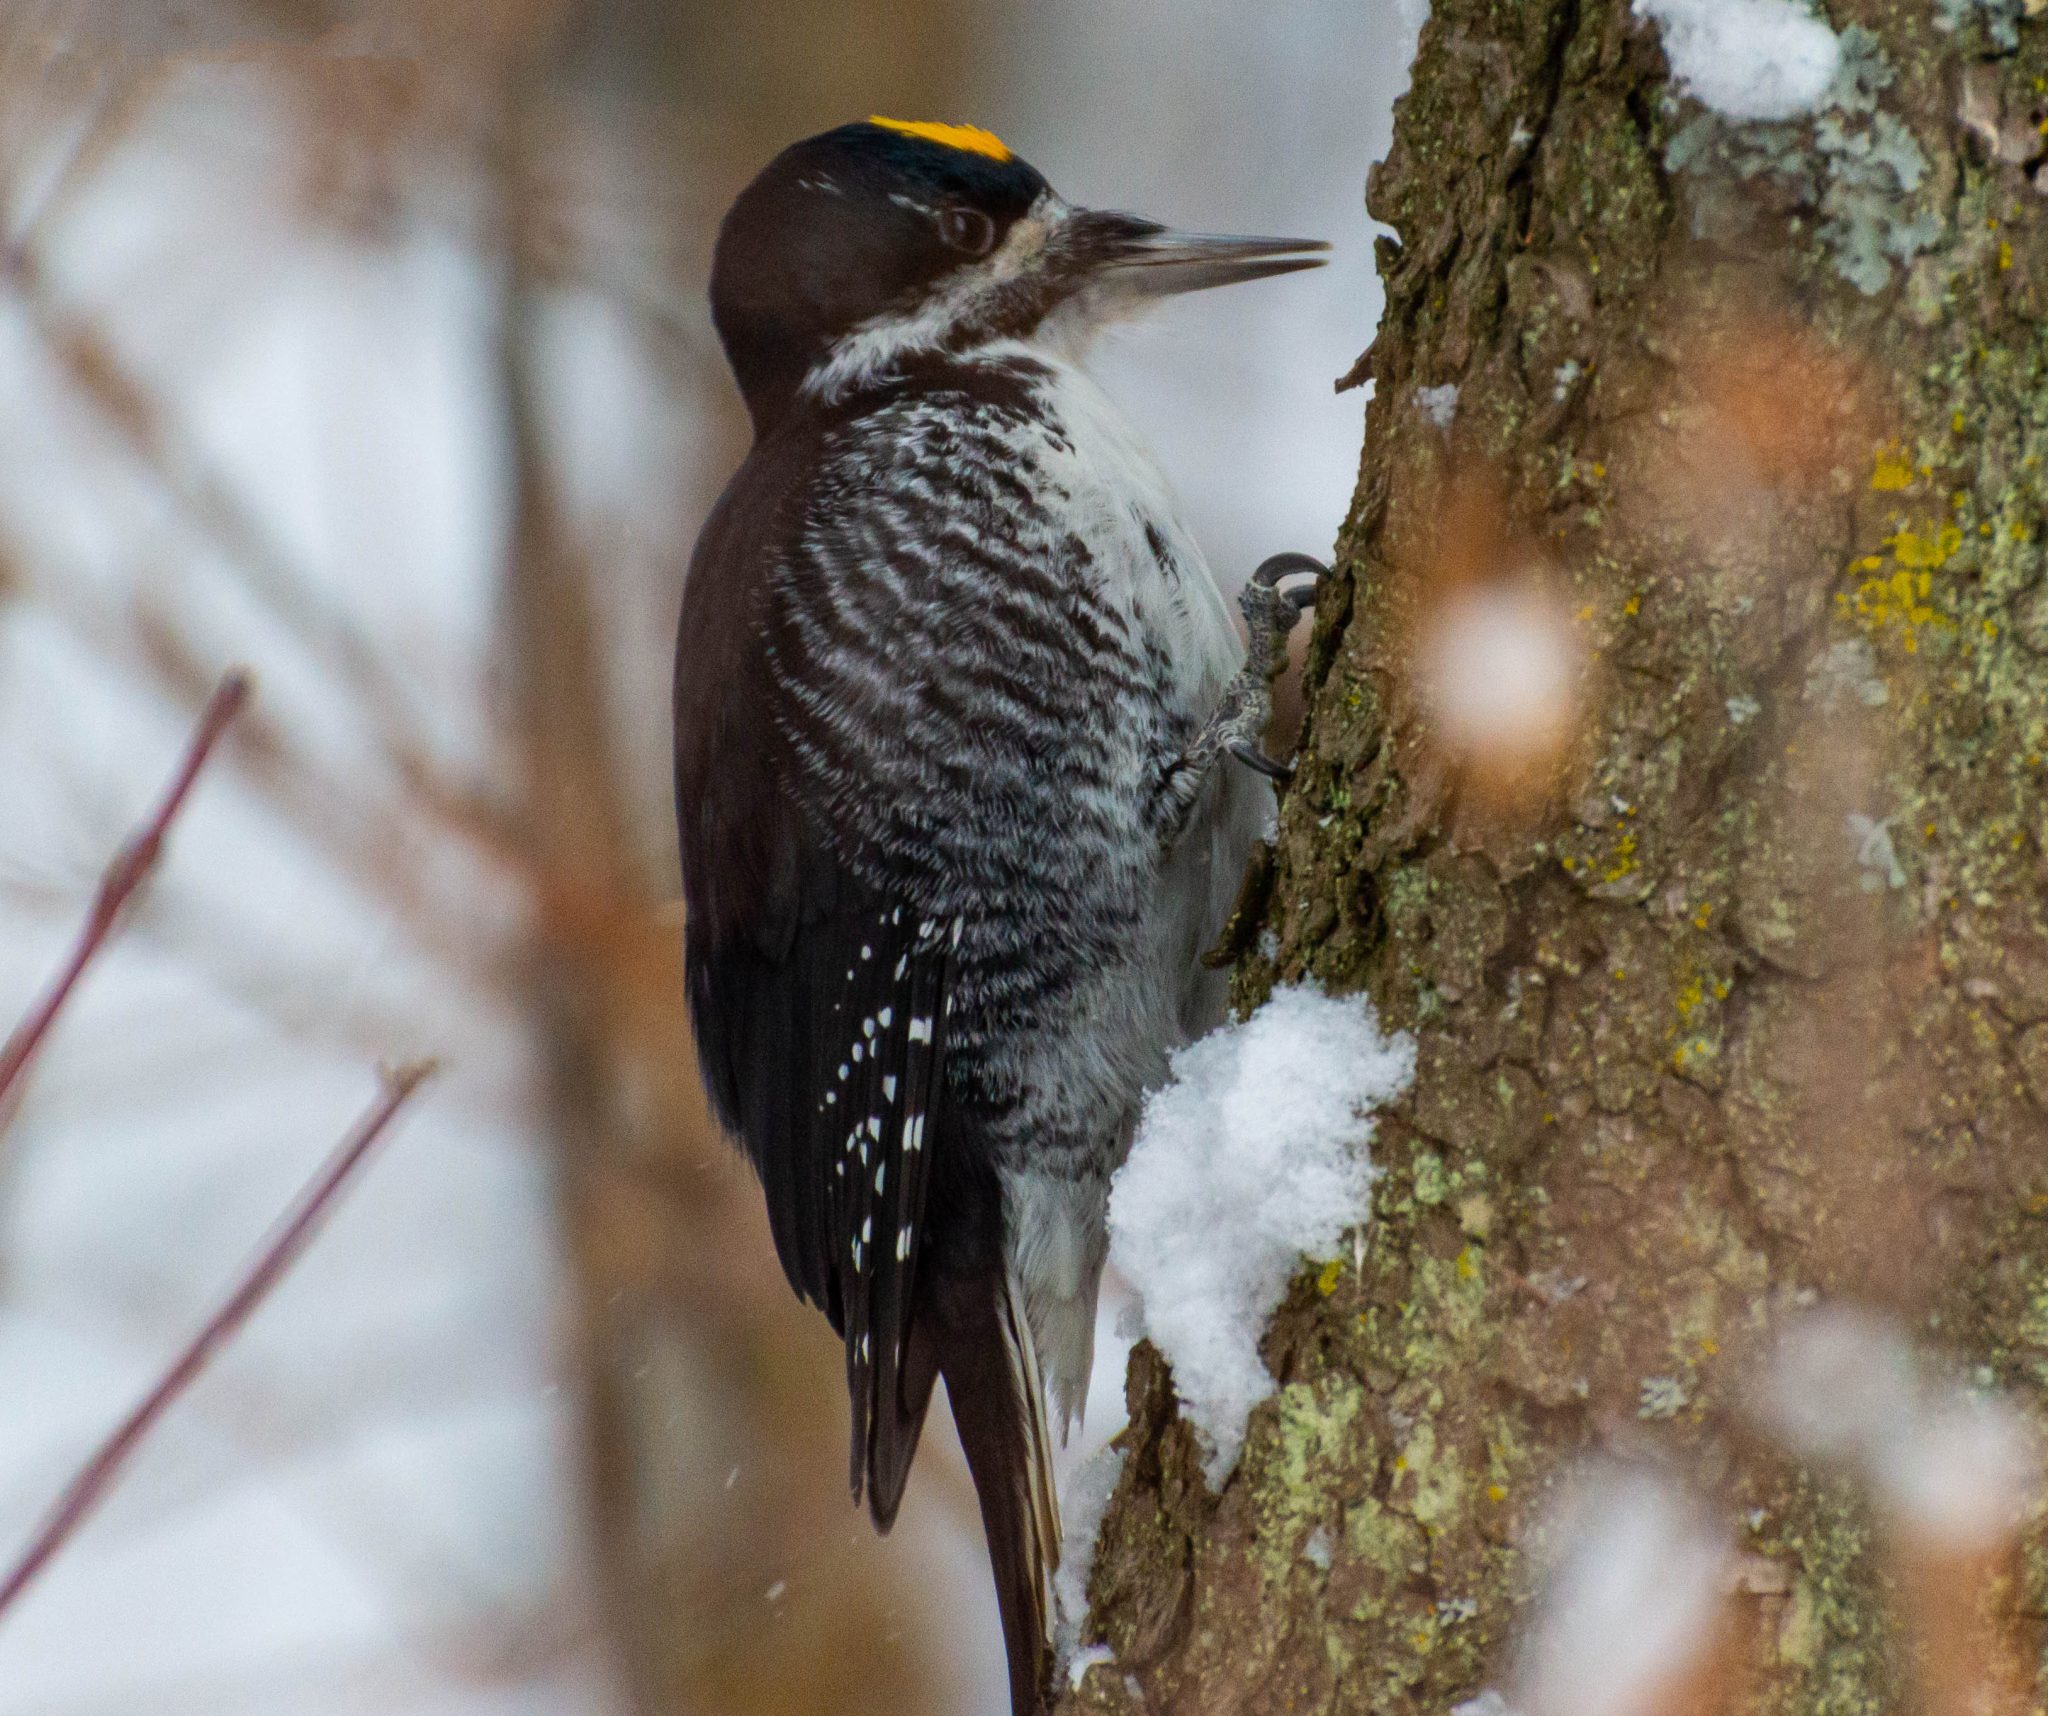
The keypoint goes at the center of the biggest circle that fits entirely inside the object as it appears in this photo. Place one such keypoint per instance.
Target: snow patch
(1320, 1550)
(1748, 59)
(1095, 1656)
(1439, 405)
(1084, 1499)
(1252, 1156)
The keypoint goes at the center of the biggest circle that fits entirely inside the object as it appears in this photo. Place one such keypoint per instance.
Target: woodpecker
(954, 694)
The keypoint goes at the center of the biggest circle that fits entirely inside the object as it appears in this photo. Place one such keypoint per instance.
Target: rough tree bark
(1696, 1043)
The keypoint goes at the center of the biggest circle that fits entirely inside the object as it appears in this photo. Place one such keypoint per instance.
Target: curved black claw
(1277, 566)
(1256, 760)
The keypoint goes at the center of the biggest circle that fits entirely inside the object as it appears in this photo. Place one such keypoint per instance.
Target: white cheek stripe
(871, 348)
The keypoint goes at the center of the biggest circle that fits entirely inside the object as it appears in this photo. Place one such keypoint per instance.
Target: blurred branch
(131, 867)
(111, 123)
(371, 841)
(386, 843)
(126, 405)
(278, 1254)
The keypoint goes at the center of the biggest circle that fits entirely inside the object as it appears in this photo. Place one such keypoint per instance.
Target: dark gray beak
(1146, 260)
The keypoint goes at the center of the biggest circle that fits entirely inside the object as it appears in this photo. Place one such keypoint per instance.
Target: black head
(864, 243)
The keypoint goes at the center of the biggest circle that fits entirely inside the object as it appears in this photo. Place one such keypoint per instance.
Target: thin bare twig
(130, 868)
(277, 1255)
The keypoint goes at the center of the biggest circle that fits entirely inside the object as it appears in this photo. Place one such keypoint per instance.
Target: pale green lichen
(1317, 1435)
(2000, 18)
(1662, 1397)
(1856, 164)
(1599, 1034)
(1833, 1628)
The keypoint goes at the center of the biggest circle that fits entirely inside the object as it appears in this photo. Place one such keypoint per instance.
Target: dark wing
(883, 730)
(822, 1051)
(826, 888)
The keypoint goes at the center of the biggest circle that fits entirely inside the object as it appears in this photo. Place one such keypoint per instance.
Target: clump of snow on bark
(1084, 1499)
(1095, 1656)
(1748, 59)
(1252, 1156)
(1439, 404)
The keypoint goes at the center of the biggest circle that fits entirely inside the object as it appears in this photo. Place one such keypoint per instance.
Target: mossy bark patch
(1753, 1010)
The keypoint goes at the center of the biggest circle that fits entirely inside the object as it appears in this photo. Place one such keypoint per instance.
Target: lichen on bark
(1754, 1010)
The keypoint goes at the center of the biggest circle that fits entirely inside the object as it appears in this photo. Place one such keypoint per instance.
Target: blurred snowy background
(365, 345)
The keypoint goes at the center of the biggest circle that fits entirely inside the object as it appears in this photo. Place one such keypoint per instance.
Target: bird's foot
(1259, 763)
(1273, 599)
(1275, 596)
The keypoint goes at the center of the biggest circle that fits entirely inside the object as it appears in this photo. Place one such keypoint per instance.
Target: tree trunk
(1750, 1006)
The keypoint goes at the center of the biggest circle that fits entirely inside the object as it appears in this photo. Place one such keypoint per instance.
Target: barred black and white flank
(951, 689)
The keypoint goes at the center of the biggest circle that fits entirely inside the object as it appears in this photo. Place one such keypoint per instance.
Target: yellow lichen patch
(1326, 1282)
(1894, 470)
(1929, 549)
(970, 138)
(1899, 592)
(1624, 858)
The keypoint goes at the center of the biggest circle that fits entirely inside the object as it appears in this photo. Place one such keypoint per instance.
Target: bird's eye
(967, 230)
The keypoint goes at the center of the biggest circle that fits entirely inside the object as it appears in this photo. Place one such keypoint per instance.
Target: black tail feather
(984, 1352)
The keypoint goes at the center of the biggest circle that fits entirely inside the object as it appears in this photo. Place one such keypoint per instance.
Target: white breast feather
(1117, 489)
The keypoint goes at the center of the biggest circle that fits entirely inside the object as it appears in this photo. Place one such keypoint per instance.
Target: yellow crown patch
(968, 137)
